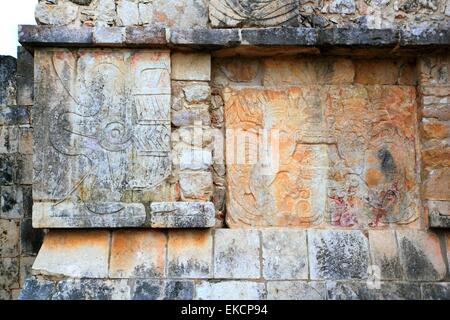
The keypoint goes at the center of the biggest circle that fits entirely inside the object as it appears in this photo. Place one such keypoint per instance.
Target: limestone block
(9, 139)
(437, 156)
(194, 159)
(179, 290)
(187, 15)
(436, 291)
(384, 254)
(357, 290)
(338, 254)
(439, 214)
(236, 254)
(30, 238)
(26, 264)
(36, 289)
(25, 77)
(284, 254)
(195, 115)
(197, 92)
(9, 271)
(196, 185)
(436, 102)
(9, 238)
(182, 214)
(296, 290)
(230, 290)
(191, 66)
(63, 14)
(420, 255)
(76, 253)
(342, 6)
(109, 35)
(91, 289)
(12, 202)
(88, 215)
(249, 13)
(437, 185)
(137, 254)
(144, 289)
(17, 115)
(189, 254)
(307, 71)
(435, 129)
(127, 13)
(111, 135)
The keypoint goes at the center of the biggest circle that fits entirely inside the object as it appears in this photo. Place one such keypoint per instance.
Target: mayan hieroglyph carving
(102, 131)
(248, 13)
(347, 156)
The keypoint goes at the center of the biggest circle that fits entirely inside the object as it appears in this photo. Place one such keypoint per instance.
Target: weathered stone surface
(196, 185)
(230, 290)
(8, 80)
(36, 289)
(187, 14)
(342, 6)
(26, 264)
(30, 238)
(435, 129)
(191, 66)
(437, 156)
(436, 291)
(11, 202)
(84, 215)
(361, 291)
(127, 13)
(439, 220)
(384, 254)
(145, 36)
(17, 115)
(109, 35)
(249, 13)
(190, 254)
(195, 115)
(25, 77)
(284, 254)
(91, 289)
(308, 71)
(144, 289)
(112, 134)
(182, 214)
(313, 139)
(60, 15)
(296, 290)
(383, 71)
(137, 254)
(9, 271)
(335, 254)
(236, 254)
(420, 255)
(209, 38)
(179, 290)
(78, 254)
(437, 185)
(9, 238)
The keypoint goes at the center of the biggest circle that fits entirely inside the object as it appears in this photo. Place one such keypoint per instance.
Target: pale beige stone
(191, 66)
(75, 253)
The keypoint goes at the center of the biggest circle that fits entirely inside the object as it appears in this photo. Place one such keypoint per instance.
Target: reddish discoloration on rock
(137, 253)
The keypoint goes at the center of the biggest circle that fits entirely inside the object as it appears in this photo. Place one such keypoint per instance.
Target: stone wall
(19, 242)
(225, 14)
(161, 141)
(278, 263)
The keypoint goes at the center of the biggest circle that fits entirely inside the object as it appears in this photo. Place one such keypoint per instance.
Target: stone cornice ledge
(214, 39)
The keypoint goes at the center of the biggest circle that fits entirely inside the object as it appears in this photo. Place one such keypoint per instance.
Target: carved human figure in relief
(114, 128)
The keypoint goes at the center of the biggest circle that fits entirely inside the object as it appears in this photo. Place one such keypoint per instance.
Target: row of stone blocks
(248, 255)
(175, 289)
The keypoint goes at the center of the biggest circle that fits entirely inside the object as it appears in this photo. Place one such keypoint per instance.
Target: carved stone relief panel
(102, 132)
(347, 156)
(249, 13)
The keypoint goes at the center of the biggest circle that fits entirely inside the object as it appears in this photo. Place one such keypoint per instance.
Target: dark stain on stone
(342, 257)
(8, 201)
(147, 290)
(7, 165)
(417, 266)
(387, 162)
(179, 290)
(391, 268)
(178, 269)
